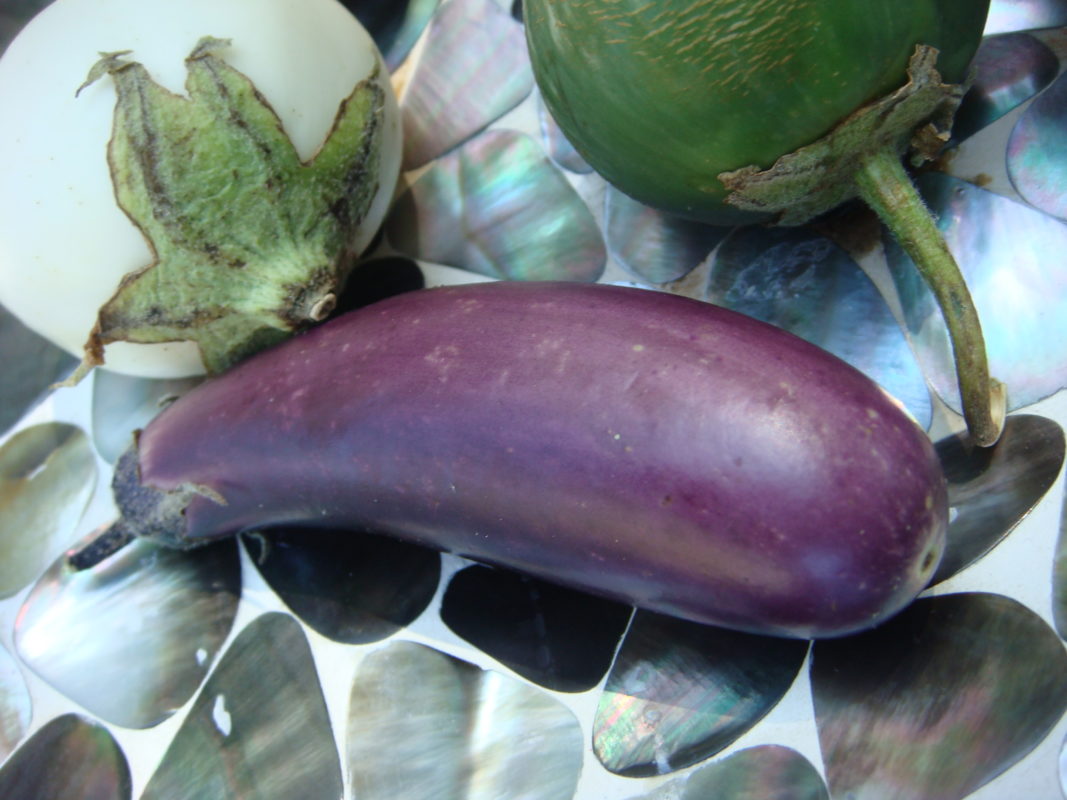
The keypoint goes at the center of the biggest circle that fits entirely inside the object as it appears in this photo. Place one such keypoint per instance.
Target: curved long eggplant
(638, 445)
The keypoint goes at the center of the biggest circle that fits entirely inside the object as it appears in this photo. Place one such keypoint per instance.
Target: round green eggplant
(661, 96)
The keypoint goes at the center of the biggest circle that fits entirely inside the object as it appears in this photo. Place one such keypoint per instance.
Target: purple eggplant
(634, 444)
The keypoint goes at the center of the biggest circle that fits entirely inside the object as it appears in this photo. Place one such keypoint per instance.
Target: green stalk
(885, 186)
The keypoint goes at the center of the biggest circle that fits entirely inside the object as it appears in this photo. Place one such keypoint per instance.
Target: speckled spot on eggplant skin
(639, 445)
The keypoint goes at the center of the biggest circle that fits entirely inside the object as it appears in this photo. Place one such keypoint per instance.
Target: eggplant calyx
(816, 178)
(250, 243)
(146, 513)
(862, 157)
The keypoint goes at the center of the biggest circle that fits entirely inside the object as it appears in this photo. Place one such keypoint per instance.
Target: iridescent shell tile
(1059, 576)
(70, 757)
(122, 404)
(349, 586)
(13, 15)
(498, 207)
(394, 26)
(803, 282)
(259, 729)
(439, 275)
(378, 279)
(1010, 69)
(1037, 151)
(991, 489)
(31, 365)
(939, 701)
(425, 724)
(1063, 768)
(9, 28)
(679, 693)
(559, 149)
(1006, 16)
(15, 704)
(472, 69)
(764, 772)
(131, 639)
(556, 637)
(1011, 257)
(653, 246)
(47, 477)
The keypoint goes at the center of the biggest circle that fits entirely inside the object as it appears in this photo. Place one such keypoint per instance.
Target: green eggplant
(730, 111)
(662, 96)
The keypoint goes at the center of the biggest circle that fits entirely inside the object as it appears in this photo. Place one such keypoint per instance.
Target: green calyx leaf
(803, 184)
(250, 243)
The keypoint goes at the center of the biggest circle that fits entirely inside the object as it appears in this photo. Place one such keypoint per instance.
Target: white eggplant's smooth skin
(638, 445)
(64, 242)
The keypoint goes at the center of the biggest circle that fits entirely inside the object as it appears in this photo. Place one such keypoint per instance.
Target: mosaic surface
(336, 664)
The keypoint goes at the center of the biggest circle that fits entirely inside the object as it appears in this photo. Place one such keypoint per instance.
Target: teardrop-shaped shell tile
(1037, 151)
(31, 365)
(15, 708)
(47, 476)
(498, 207)
(1009, 70)
(1059, 575)
(1006, 16)
(123, 404)
(69, 758)
(14, 15)
(349, 586)
(556, 637)
(473, 69)
(131, 639)
(764, 772)
(1009, 255)
(394, 26)
(991, 489)
(940, 700)
(1063, 768)
(425, 724)
(378, 279)
(803, 282)
(653, 246)
(259, 729)
(559, 149)
(680, 692)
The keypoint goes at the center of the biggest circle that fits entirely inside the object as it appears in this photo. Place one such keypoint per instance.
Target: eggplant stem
(101, 547)
(884, 185)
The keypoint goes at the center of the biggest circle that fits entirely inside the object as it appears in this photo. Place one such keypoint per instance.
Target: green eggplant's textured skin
(661, 96)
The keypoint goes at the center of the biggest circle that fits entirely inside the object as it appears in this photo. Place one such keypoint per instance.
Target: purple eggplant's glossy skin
(637, 445)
